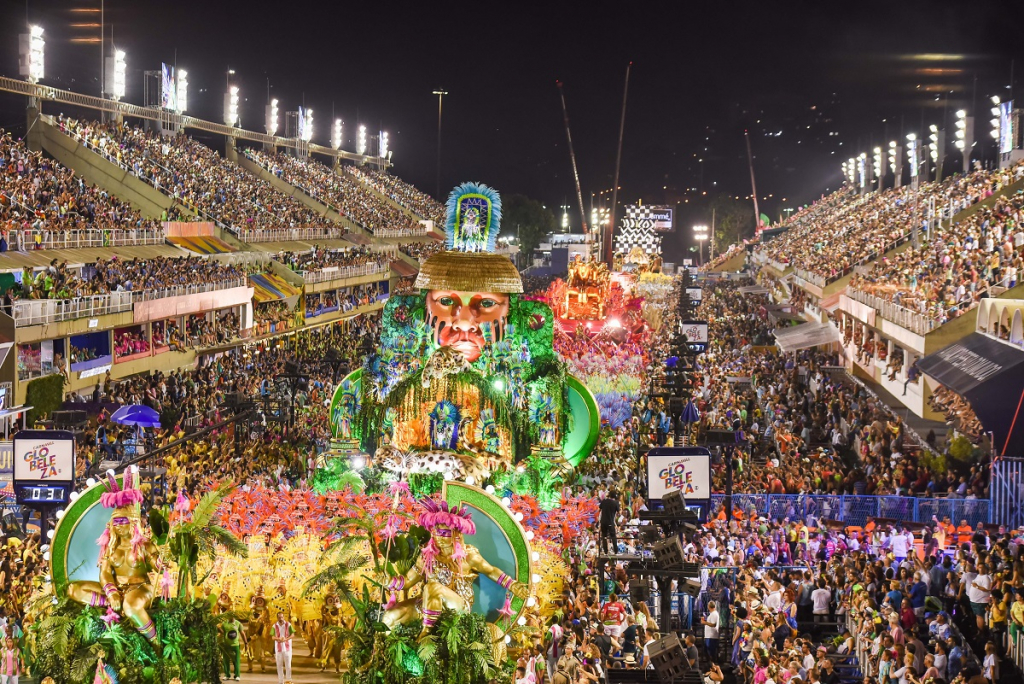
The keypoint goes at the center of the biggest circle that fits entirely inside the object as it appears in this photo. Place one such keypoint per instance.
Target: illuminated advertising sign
(168, 87)
(44, 466)
(649, 217)
(688, 473)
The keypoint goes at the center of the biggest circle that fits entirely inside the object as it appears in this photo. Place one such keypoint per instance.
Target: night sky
(815, 83)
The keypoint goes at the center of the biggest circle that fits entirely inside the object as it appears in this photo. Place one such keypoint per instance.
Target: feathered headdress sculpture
(118, 496)
(455, 518)
(473, 218)
(469, 263)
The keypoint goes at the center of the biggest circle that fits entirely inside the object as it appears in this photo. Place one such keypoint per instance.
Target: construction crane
(572, 156)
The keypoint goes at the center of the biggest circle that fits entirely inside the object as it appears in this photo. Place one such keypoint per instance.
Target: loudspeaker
(668, 655)
(649, 534)
(674, 503)
(720, 437)
(669, 552)
(70, 418)
(639, 590)
(691, 586)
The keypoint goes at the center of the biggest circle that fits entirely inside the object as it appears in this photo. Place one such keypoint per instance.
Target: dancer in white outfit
(283, 633)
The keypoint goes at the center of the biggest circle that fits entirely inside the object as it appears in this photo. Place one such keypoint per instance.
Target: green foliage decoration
(44, 395)
(70, 639)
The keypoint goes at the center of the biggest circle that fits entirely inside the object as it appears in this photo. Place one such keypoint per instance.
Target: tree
(528, 219)
(734, 220)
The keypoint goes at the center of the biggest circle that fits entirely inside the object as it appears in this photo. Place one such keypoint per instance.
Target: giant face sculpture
(467, 321)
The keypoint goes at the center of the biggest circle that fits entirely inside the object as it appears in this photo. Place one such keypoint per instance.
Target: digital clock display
(42, 494)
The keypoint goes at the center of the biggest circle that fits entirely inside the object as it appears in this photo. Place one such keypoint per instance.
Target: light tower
(182, 90)
(31, 47)
(270, 116)
(361, 141)
(307, 126)
(913, 159)
(876, 167)
(231, 106)
(936, 148)
(336, 135)
(965, 137)
(115, 76)
(896, 163)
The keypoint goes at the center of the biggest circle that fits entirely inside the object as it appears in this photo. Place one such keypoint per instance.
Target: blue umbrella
(136, 415)
(690, 413)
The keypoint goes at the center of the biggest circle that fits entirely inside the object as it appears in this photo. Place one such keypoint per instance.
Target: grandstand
(900, 274)
(124, 250)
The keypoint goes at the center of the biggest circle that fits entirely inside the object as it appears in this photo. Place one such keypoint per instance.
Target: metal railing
(25, 240)
(43, 311)
(913, 321)
(855, 509)
(288, 234)
(398, 232)
(341, 273)
(812, 278)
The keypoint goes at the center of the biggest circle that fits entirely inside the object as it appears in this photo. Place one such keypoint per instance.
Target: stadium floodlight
(271, 117)
(31, 50)
(965, 136)
(383, 145)
(361, 141)
(851, 170)
(876, 163)
(231, 106)
(862, 170)
(933, 142)
(115, 75)
(182, 90)
(307, 126)
(995, 121)
(336, 135)
(912, 153)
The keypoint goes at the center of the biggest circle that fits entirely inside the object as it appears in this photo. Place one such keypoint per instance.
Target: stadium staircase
(98, 170)
(300, 195)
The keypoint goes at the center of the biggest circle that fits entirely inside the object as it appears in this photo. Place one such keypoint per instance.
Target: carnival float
(437, 517)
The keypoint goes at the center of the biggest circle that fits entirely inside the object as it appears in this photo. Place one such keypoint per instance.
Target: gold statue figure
(127, 557)
(447, 568)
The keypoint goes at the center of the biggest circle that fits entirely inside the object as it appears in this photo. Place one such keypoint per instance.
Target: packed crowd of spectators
(401, 192)
(344, 298)
(846, 229)
(339, 191)
(40, 198)
(958, 412)
(319, 258)
(421, 251)
(58, 281)
(130, 342)
(197, 176)
(958, 266)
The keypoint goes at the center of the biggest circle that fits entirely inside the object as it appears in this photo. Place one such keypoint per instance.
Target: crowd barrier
(855, 510)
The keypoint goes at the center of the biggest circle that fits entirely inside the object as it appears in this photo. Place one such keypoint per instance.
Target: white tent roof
(806, 335)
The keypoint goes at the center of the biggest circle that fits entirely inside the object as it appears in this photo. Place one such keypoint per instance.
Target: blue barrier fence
(855, 510)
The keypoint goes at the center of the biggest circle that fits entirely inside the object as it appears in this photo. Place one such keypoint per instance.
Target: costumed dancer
(11, 662)
(231, 639)
(283, 633)
(127, 556)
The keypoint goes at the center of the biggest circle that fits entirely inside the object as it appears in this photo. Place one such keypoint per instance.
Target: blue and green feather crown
(473, 218)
